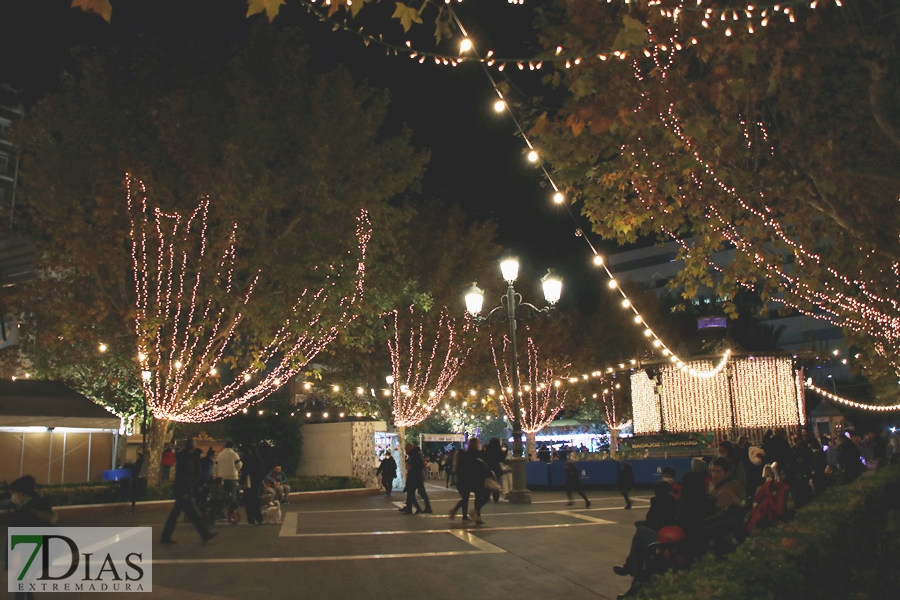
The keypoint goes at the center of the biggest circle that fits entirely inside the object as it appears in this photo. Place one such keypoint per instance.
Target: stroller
(220, 506)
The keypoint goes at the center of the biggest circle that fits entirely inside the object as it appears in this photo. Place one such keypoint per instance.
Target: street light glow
(499, 106)
(552, 285)
(474, 300)
(509, 267)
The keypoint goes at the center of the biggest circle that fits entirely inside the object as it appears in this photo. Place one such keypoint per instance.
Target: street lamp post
(513, 309)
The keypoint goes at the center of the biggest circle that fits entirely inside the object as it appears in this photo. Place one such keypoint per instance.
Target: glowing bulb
(559, 198)
(102, 347)
(145, 375)
(246, 376)
(499, 106)
(213, 371)
(335, 388)
(532, 156)
(626, 303)
(142, 357)
(325, 415)
(647, 332)
(598, 260)
(465, 45)
(360, 391)
(637, 318)
(307, 386)
(178, 364)
(656, 343)
(612, 284)
(341, 415)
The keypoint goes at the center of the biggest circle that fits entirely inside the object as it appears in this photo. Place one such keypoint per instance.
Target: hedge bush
(108, 492)
(845, 544)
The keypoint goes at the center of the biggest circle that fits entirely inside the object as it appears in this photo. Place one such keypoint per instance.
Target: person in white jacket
(228, 465)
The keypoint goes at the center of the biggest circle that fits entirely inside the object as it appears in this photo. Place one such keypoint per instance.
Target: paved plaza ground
(362, 547)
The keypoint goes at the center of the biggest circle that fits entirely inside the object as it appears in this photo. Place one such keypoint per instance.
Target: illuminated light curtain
(765, 392)
(694, 403)
(644, 404)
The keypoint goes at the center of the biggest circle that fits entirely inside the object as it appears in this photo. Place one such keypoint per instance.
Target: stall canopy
(30, 403)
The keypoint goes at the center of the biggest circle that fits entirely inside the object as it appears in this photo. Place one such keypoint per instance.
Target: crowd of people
(743, 476)
(206, 487)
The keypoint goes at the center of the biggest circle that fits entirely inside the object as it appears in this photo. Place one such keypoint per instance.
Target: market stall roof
(30, 403)
(825, 409)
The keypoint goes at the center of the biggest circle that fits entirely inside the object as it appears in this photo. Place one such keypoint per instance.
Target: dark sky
(477, 160)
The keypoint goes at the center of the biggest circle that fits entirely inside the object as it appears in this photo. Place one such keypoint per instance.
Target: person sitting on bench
(275, 481)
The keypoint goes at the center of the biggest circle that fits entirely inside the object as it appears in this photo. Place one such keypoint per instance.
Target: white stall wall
(327, 450)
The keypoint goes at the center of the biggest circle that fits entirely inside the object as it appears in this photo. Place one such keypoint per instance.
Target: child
(625, 483)
(573, 484)
(668, 475)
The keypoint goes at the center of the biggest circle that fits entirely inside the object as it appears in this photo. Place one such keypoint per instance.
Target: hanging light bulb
(102, 347)
(559, 198)
(598, 260)
(465, 45)
(499, 106)
(532, 156)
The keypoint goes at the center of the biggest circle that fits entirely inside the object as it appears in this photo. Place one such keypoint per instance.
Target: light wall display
(762, 393)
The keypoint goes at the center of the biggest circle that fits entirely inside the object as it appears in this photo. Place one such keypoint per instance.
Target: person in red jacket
(166, 464)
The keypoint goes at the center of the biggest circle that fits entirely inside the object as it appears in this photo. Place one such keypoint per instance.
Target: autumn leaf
(101, 7)
(633, 33)
(442, 26)
(270, 6)
(357, 6)
(407, 15)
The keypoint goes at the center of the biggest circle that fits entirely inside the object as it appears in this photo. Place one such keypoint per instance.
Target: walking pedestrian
(573, 484)
(493, 457)
(625, 483)
(471, 471)
(184, 487)
(450, 467)
(415, 481)
(388, 471)
(253, 471)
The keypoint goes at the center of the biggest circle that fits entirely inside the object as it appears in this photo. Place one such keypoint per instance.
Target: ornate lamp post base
(519, 494)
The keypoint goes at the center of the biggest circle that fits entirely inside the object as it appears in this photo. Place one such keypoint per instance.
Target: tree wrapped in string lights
(189, 310)
(542, 397)
(424, 363)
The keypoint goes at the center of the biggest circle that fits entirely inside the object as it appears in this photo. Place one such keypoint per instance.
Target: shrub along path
(844, 544)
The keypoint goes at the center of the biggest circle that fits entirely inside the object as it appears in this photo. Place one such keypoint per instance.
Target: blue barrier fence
(603, 472)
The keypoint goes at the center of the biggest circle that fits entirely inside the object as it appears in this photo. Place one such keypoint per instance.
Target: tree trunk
(530, 445)
(156, 440)
(613, 441)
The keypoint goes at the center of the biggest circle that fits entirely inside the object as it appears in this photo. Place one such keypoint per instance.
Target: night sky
(477, 160)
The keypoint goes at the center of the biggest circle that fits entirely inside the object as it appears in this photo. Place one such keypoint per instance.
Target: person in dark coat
(663, 507)
(849, 459)
(388, 471)
(184, 487)
(625, 483)
(470, 475)
(138, 483)
(493, 457)
(573, 483)
(778, 450)
(415, 481)
(205, 471)
(31, 510)
(252, 473)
